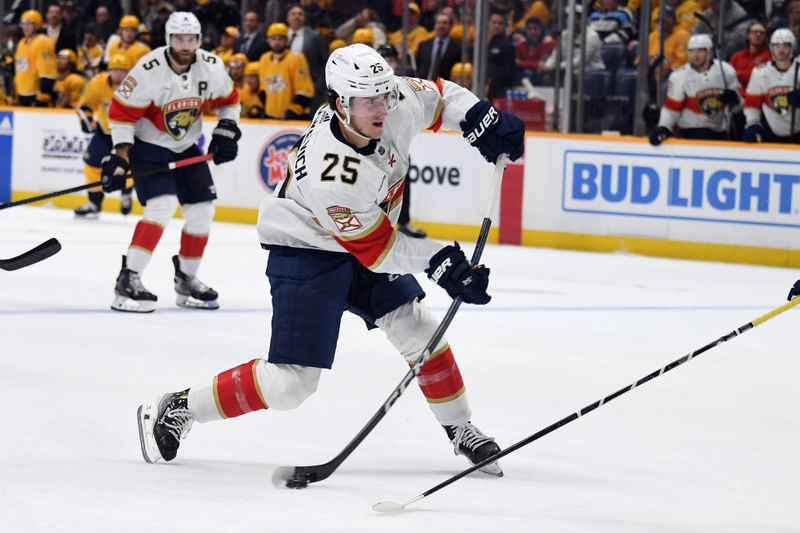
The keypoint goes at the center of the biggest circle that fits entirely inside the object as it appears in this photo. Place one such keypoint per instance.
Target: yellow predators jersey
(252, 104)
(135, 51)
(224, 54)
(282, 80)
(69, 90)
(89, 59)
(98, 95)
(35, 58)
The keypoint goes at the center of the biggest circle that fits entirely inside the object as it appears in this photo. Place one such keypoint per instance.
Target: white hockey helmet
(783, 35)
(359, 71)
(183, 22)
(702, 40)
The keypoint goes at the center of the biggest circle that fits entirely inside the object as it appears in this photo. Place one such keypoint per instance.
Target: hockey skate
(192, 292)
(89, 211)
(130, 295)
(468, 440)
(162, 425)
(125, 202)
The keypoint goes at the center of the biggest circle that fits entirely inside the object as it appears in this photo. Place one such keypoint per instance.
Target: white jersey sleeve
(675, 101)
(441, 104)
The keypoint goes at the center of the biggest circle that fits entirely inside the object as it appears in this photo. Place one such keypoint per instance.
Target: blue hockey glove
(494, 132)
(224, 140)
(795, 291)
(659, 135)
(113, 172)
(794, 98)
(752, 133)
(729, 97)
(450, 269)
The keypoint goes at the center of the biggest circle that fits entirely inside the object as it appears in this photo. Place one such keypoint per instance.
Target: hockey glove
(659, 135)
(450, 269)
(752, 133)
(794, 98)
(113, 172)
(795, 291)
(494, 132)
(88, 123)
(224, 141)
(729, 97)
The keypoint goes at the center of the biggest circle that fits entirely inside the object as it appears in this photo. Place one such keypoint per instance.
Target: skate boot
(410, 231)
(91, 209)
(469, 441)
(129, 293)
(125, 202)
(162, 425)
(192, 292)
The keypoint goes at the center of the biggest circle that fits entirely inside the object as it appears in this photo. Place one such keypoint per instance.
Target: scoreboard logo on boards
(273, 157)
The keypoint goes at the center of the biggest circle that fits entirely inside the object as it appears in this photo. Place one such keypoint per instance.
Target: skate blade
(492, 469)
(87, 216)
(145, 418)
(127, 305)
(193, 303)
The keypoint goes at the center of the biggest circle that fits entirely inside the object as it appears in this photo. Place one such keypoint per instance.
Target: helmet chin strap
(346, 123)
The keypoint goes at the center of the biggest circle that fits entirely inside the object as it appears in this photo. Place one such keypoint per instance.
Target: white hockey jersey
(766, 93)
(339, 198)
(693, 97)
(155, 104)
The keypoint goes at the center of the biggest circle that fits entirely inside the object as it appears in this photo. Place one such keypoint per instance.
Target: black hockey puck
(296, 483)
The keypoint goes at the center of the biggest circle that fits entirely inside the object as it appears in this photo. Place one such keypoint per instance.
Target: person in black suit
(252, 42)
(304, 40)
(61, 35)
(436, 57)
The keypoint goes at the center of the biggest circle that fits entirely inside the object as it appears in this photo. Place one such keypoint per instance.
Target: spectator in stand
(126, 41)
(285, 78)
(526, 9)
(363, 36)
(105, 24)
(501, 58)
(753, 55)
(614, 24)
(436, 57)
(734, 27)
(416, 33)
(674, 43)
(250, 94)
(227, 39)
(792, 10)
(72, 19)
(365, 18)
(35, 60)
(304, 40)
(90, 53)
(158, 24)
(531, 53)
(594, 47)
(69, 85)
(251, 42)
(61, 35)
(336, 44)
(684, 13)
(392, 56)
(461, 74)
(236, 68)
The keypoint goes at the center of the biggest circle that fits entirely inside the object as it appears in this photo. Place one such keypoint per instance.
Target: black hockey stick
(393, 506)
(43, 251)
(794, 110)
(298, 477)
(156, 170)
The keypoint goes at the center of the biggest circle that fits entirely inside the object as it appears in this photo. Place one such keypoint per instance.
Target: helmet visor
(364, 106)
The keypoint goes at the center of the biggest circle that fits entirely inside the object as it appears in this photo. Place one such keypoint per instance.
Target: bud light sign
(713, 189)
(274, 156)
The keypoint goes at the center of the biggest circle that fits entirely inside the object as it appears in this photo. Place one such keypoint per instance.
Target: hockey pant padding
(252, 386)
(157, 214)
(194, 236)
(409, 328)
(92, 176)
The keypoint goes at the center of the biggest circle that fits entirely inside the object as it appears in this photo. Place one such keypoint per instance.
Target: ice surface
(708, 447)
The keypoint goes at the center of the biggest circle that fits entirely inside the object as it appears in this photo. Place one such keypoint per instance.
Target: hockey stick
(298, 477)
(392, 506)
(41, 252)
(156, 170)
(794, 110)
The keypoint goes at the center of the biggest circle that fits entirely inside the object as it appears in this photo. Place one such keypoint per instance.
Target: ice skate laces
(178, 422)
(470, 436)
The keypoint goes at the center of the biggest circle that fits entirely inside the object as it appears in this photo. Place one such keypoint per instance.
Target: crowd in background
(277, 51)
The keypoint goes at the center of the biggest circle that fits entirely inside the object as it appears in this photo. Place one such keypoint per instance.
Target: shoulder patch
(344, 218)
(419, 84)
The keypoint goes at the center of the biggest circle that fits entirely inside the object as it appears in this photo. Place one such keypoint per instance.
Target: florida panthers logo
(708, 101)
(180, 115)
(273, 160)
(778, 100)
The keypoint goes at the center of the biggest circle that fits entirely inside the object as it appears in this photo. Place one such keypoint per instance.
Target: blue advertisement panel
(6, 145)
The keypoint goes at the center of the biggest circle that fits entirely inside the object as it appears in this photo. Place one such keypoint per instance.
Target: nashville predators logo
(276, 84)
(778, 100)
(180, 115)
(708, 101)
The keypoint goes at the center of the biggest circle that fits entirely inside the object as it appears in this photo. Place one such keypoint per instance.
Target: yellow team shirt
(35, 58)
(224, 54)
(674, 47)
(89, 59)
(97, 96)
(537, 9)
(135, 51)
(252, 106)
(69, 90)
(281, 80)
(415, 36)
(684, 15)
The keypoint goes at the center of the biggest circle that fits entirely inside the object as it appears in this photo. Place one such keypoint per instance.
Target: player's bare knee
(160, 209)
(286, 387)
(198, 217)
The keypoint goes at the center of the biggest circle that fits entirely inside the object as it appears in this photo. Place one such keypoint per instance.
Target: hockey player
(285, 77)
(773, 93)
(697, 95)
(92, 111)
(155, 118)
(69, 85)
(34, 63)
(125, 42)
(332, 247)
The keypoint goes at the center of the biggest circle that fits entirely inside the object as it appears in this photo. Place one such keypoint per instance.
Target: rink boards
(714, 201)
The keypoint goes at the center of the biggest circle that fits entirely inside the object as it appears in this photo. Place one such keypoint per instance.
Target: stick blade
(47, 249)
(281, 475)
(388, 507)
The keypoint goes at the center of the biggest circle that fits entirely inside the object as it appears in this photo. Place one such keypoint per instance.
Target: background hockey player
(69, 85)
(285, 77)
(93, 114)
(698, 98)
(772, 96)
(34, 63)
(125, 42)
(155, 119)
(332, 247)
